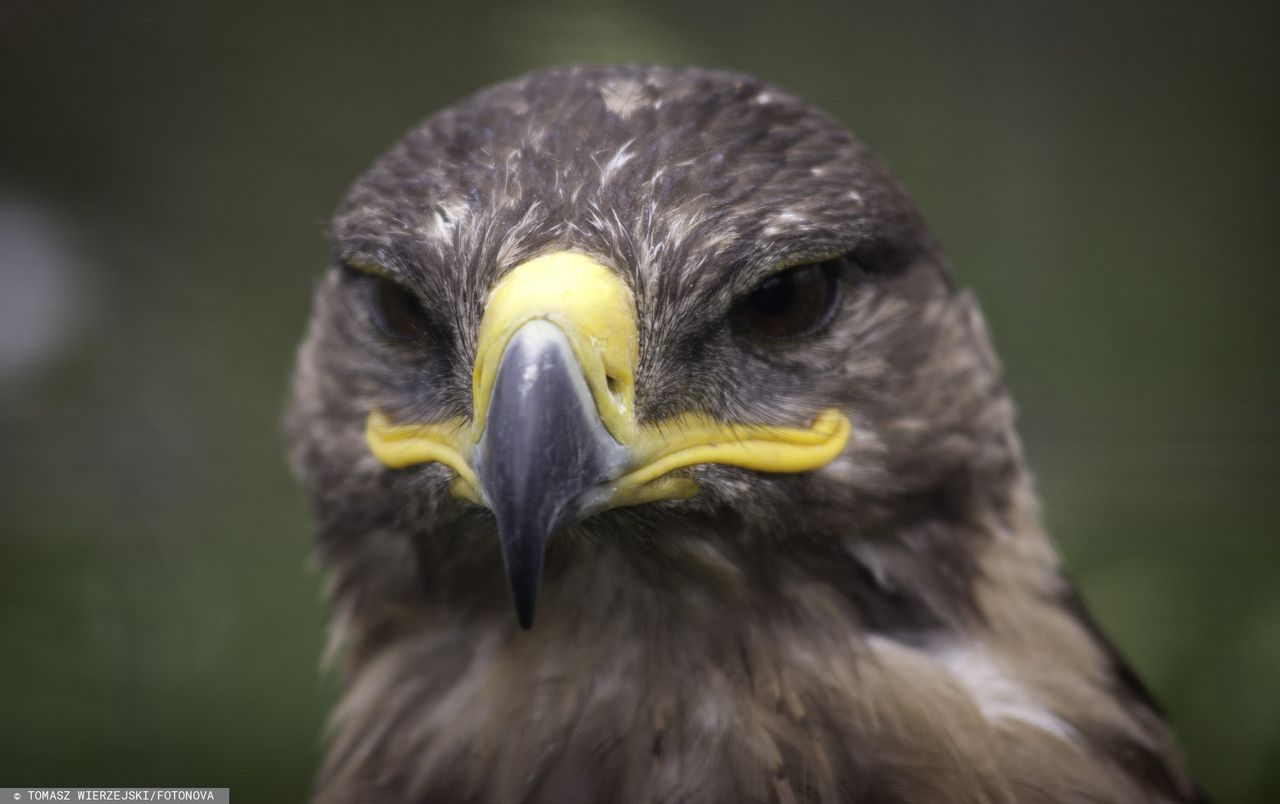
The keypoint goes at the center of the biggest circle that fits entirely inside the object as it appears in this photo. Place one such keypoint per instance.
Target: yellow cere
(595, 309)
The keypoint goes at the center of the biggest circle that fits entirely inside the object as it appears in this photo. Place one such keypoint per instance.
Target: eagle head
(668, 357)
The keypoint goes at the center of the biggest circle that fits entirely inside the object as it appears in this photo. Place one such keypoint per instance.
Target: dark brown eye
(792, 303)
(397, 311)
(394, 309)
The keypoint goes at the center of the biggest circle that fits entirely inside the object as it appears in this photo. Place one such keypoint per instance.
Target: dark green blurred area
(1107, 180)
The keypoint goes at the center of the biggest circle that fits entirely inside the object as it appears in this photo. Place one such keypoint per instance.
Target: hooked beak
(554, 436)
(543, 452)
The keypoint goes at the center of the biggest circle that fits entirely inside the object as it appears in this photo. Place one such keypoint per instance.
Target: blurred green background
(1106, 179)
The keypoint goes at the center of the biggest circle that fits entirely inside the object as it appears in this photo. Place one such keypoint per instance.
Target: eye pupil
(774, 296)
(397, 311)
(794, 303)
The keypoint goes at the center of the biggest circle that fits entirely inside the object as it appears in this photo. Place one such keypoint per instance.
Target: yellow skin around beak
(597, 313)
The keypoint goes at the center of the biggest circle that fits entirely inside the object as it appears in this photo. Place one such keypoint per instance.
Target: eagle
(655, 455)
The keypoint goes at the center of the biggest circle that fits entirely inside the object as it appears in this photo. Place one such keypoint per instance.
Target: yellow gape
(596, 312)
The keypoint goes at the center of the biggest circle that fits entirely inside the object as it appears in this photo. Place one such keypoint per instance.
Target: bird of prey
(665, 360)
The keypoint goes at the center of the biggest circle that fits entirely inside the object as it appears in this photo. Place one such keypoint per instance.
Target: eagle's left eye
(793, 303)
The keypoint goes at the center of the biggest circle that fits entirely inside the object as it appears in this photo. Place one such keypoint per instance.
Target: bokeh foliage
(1104, 176)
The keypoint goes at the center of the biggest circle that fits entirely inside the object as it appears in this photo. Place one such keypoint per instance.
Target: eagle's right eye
(396, 311)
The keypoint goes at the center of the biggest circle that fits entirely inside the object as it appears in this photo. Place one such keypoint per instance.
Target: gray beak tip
(523, 557)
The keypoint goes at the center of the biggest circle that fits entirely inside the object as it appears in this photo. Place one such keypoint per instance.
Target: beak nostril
(611, 382)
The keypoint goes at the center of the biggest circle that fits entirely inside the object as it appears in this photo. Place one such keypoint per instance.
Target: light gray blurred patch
(40, 285)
